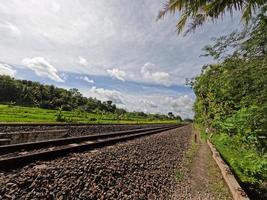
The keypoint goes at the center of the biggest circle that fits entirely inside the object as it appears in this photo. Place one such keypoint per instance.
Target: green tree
(170, 115)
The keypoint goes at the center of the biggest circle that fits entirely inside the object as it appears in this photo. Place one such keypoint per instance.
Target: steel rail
(4, 149)
(75, 124)
(21, 160)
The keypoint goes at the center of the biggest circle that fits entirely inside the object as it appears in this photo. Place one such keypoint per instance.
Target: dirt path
(202, 178)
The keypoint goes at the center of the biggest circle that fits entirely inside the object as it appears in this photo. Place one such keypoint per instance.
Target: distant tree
(178, 118)
(188, 120)
(120, 111)
(170, 115)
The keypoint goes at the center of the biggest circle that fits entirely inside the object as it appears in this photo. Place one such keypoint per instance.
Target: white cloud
(182, 104)
(148, 103)
(6, 69)
(42, 68)
(83, 61)
(158, 77)
(90, 37)
(158, 101)
(85, 78)
(55, 7)
(11, 28)
(117, 73)
(65, 30)
(179, 104)
(105, 94)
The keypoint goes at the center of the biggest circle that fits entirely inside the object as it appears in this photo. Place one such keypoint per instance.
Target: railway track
(17, 155)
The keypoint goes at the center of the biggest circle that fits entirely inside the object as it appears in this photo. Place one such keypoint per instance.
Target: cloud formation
(11, 28)
(83, 61)
(182, 104)
(89, 38)
(105, 95)
(86, 79)
(158, 77)
(6, 69)
(42, 68)
(117, 74)
(148, 103)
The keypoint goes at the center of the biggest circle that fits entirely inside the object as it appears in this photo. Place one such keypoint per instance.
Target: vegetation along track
(15, 155)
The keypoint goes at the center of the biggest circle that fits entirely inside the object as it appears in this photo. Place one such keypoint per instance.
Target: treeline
(231, 98)
(34, 94)
(232, 95)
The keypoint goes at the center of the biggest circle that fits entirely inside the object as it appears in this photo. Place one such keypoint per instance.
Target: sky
(112, 50)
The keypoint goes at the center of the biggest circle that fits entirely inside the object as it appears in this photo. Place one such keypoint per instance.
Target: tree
(188, 120)
(231, 95)
(249, 43)
(170, 115)
(178, 118)
(198, 12)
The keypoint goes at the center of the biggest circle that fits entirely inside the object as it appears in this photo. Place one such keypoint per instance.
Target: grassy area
(38, 115)
(180, 174)
(248, 165)
(199, 168)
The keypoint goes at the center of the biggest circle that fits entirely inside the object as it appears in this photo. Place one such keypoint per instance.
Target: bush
(247, 164)
(92, 119)
(59, 116)
(249, 124)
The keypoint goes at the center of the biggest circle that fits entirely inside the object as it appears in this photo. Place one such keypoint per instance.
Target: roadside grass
(215, 182)
(248, 165)
(182, 172)
(19, 114)
(202, 133)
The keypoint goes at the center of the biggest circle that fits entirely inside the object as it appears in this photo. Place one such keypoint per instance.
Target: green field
(32, 114)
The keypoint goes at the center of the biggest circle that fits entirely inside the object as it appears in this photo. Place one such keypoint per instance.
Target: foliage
(231, 95)
(248, 164)
(235, 86)
(198, 12)
(231, 100)
(250, 125)
(250, 42)
(59, 116)
(34, 94)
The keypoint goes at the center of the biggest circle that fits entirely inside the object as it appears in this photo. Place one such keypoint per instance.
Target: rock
(40, 167)
(138, 169)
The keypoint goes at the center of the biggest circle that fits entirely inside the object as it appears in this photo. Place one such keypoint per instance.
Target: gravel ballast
(139, 169)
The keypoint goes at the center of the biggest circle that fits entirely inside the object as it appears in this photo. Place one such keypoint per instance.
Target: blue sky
(112, 50)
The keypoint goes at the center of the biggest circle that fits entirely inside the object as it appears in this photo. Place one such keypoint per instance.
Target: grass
(248, 165)
(201, 132)
(216, 185)
(19, 114)
(190, 153)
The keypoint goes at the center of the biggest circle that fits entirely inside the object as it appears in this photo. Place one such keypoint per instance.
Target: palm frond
(197, 21)
(182, 22)
(201, 10)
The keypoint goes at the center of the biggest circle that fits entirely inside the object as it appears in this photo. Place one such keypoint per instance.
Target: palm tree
(199, 11)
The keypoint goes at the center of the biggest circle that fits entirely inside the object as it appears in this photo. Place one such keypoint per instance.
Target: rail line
(74, 124)
(62, 147)
(64, 141)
